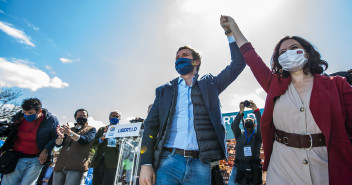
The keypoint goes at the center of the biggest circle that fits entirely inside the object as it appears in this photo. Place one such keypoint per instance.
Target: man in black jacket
(247, 167)
(183, 132)
(31, 136)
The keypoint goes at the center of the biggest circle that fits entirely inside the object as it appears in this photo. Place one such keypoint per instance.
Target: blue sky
(107, 55)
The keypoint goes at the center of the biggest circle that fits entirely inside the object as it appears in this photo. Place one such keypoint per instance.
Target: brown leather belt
(300, 140)
(185, 153)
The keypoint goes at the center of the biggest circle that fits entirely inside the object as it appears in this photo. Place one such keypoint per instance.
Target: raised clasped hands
(227, 23)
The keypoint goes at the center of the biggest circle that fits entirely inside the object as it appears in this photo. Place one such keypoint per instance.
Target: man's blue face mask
(184, 65)
(114, 121)
(31, 117)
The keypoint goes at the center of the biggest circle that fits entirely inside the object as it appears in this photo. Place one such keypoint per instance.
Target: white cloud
(48, 67)
(2, 12)
(67, 60)
(35, 28)
(17, 34)
(94, 123)
(23, 76)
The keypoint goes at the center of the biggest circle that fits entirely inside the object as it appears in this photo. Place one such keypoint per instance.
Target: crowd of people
(305, 130)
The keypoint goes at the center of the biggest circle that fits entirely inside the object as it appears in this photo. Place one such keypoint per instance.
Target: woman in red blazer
(307, 120)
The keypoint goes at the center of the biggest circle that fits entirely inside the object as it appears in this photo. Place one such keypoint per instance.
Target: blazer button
(305, 161)
(302, 109)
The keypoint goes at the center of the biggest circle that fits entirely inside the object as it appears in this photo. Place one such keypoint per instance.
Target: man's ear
(196, 62)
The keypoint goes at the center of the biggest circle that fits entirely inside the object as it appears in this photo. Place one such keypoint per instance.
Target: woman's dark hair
(31, 103)
(80, 110)
(315, 64)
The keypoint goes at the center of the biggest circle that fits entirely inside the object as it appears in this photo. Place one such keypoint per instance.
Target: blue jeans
(26, 172)
(175, 169)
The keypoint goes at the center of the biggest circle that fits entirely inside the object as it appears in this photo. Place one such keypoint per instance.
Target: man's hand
(241, 107)
(102, 137)
(43, 156)
(231, 28)
(59, 132)
(66, 129)
(224, 22)
(147, 175)
(228, 24)
(105, 130)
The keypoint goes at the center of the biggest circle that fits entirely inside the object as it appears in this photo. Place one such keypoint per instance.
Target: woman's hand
(228, 23)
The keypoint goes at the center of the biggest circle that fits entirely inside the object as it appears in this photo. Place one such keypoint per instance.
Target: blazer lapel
(281, 86)
(169, 92)
(320, 104)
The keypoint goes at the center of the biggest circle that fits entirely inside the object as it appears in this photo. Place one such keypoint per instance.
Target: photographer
(247, 168)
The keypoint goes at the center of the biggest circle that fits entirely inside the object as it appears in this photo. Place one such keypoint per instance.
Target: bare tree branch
(8, 104)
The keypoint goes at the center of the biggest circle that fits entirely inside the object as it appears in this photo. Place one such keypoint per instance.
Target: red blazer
(331, 107)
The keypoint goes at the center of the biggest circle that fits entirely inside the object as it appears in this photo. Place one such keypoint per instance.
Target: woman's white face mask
(293, 60)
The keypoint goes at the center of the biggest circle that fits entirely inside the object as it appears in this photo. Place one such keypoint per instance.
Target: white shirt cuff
(231, 39)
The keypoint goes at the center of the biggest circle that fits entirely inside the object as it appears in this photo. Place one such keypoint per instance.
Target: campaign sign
(228, 118)
(123, 130)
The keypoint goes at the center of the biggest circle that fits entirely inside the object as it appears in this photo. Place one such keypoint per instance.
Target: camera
(246, 103)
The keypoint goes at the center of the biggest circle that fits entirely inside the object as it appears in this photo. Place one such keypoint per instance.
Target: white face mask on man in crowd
(293, 60)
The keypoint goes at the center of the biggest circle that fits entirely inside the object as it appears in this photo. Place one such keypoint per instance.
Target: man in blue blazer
(184, 131)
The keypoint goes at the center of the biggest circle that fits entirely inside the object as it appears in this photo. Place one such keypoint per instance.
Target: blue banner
(229, 117)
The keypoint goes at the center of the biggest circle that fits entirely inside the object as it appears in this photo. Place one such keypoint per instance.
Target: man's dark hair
(80, 110)
(31, 103)
(195, 54)
(314, 65)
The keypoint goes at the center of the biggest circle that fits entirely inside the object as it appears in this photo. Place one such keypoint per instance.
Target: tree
(8, 104)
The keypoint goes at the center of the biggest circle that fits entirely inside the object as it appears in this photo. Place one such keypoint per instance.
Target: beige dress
(286, 163)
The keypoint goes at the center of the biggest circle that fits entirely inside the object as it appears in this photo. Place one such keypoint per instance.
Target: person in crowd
(183, 131)
(347, 74)
(247, 168)
(48, 177)
(31, 137)
(42, 174)
(89, 178)
(307, 122)
(73, 161)
(127, 165)
(106, 156)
